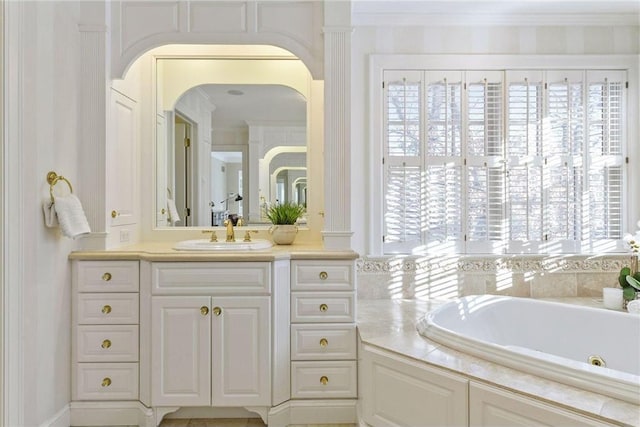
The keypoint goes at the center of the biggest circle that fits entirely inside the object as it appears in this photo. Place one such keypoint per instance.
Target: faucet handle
(247, 235)
(240, 222)
(214, 236)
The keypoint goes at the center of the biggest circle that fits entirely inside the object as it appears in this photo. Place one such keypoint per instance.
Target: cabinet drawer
(106, 308)
(219, 278)
(318, 307)
(322, 276)
(323, 342)
(323, 379)
(117, 343)
(107, 381)
(107, 276)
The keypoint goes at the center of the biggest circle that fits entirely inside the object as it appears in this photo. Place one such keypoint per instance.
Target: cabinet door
(241, 350)
(490, 406)
(181, 351)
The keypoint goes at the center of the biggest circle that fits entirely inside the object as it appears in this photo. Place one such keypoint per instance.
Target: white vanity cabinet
(210, 351)
(211, 333)
(323, 330)
(105, 330)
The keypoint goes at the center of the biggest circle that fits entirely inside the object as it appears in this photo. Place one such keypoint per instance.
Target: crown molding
(495, 13)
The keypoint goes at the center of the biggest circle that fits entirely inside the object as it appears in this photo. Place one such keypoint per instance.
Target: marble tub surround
(537, 276)
(390, 325)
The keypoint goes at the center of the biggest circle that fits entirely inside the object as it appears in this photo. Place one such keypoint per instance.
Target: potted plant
(283, 216)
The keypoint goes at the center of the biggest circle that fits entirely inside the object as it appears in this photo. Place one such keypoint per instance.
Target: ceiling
(256, 103)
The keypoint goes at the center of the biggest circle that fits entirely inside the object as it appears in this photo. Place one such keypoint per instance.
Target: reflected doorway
(183, 184)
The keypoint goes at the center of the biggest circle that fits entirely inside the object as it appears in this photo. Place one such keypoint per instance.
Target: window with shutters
(502, 161)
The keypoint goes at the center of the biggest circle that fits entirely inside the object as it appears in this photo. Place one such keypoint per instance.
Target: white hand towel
(49, 209)
(173, 211)
(73, 222)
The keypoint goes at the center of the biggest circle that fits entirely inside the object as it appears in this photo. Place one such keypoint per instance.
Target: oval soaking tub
(557, 341)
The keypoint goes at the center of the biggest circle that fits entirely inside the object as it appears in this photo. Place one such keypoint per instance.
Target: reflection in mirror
(234, 126)
(226, 184)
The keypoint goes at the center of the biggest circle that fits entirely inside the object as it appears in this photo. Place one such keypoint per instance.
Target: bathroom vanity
(156, 330)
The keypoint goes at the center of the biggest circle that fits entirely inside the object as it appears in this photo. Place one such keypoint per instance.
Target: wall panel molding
(137, 26)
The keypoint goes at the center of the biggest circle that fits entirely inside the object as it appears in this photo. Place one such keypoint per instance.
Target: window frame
(378, 64)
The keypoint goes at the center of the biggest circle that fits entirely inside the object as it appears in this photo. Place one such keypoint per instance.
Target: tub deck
(391, 325)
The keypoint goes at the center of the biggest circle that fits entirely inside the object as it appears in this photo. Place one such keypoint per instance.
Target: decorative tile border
(487, 264)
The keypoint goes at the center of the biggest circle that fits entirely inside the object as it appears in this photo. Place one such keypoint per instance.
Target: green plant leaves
(284, 213)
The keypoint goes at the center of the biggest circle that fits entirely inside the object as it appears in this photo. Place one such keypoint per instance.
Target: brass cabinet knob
(204, 310)
(217, 311)
(324, 307)
(106, 277)
(162, 211)
(106, 382)
(106, 309)
(324, 380)
(324, 342)
(106, 344)
(323, 275)
(114, 214)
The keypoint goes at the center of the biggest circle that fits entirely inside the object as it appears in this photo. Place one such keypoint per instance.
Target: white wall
(465, 40)
(46, 139)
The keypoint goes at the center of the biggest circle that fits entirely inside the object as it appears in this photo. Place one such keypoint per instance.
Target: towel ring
(53, 178)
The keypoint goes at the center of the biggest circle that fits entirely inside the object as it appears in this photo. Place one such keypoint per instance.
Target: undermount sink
(238, 245)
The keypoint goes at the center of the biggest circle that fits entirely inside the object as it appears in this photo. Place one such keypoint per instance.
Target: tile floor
(231, 422)
(204, 422)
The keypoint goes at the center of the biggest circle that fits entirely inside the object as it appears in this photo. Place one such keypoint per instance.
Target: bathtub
(556, 341)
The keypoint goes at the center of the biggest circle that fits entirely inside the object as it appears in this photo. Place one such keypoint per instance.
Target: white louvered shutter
(605, 126)
(443, 161)
(524, 112)
(484, 159)
(403, 186)
(563, 151)
(503, 161)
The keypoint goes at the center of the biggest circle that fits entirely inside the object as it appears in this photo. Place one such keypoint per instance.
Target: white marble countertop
(164, 251)
(389, 324)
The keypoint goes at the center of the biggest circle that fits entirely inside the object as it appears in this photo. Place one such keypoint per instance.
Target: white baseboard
(61, 419)
(110, 413)
(314, 412)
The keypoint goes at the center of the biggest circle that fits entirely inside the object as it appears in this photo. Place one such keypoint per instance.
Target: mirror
(231, 138)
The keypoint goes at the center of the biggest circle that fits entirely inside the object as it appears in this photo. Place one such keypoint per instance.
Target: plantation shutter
(563, 152)
(605, 126)
(484, 159)
(524, 175)
(508, 161)
(443, 161)
(402, 156)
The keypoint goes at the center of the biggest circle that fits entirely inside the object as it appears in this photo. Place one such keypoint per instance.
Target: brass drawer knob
(324, 307)
(217, 311)
(106, 277)
(324, 380)
(324, 342)
(106, 309)
(323, 275)
(106, 344)
(204, 310)
(106, 382)
(114, 214)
